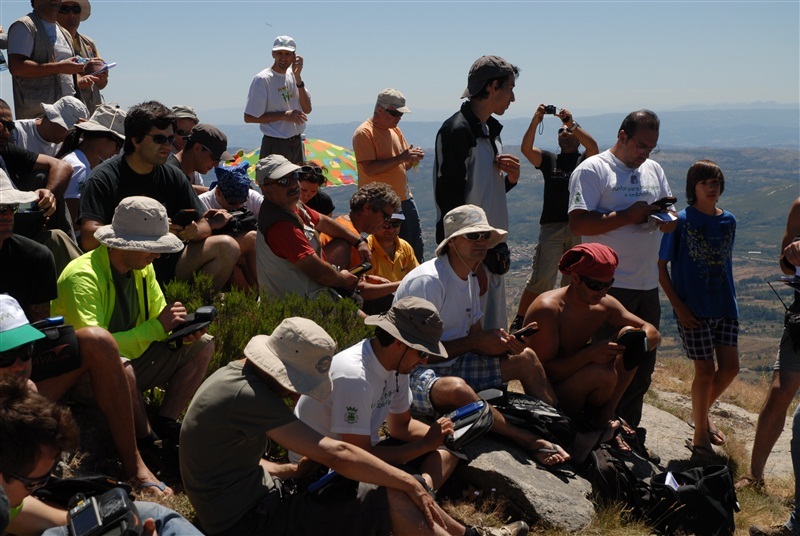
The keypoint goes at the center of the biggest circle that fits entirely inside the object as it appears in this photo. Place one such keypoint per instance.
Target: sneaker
(775, 530)
(520, 528)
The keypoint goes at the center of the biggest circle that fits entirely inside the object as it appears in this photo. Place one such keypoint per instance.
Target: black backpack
(703, 504)
(613, 481)
(536, 416)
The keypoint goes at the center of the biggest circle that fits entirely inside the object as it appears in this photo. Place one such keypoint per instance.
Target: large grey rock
(559, 498)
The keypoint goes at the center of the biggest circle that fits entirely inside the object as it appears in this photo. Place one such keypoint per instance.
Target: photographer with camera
(42, 431)
(555, 238)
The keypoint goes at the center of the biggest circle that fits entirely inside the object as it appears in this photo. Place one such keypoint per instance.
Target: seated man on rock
(114, 287)
(370, 387)
(588, 375)
(290, 256)
(241, 408)
(478, 359)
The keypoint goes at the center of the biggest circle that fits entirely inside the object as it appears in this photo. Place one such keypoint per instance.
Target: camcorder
(112, 513)
(194, 322)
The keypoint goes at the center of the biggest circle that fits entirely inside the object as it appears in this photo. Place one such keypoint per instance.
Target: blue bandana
(233, 182)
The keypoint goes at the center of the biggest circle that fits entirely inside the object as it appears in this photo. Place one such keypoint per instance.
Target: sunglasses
(563, 129)
(12, 208)
(9, 357)
(32, 484)
(8, 125)
(394, 223)
(474, 237)
(285, 181)
(594, 284)
(64, 10)
(387, 217)
(393, 113)
(424, 355)
(161, 139)
(183, 133)
(308, 170)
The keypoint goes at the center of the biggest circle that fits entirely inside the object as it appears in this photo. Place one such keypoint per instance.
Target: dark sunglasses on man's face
(595, 285)
(474, 237)
(8, 125)
(161, 139)
(32, 484)
(394, 223)
(393, 113)
(64, 9)
(9, 357)
(12, 208)
(286, 181)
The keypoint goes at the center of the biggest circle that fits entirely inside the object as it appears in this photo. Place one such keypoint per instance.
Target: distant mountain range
(762, 125)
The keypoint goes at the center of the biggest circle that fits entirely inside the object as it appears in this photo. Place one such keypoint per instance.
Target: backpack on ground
(703, 503)
(535, 416)
(613, 481)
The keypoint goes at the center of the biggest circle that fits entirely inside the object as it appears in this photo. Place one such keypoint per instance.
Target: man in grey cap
(383, 155)
(370, 387)
(470, 165)
(44, 134)
(240, 408)
(279, 103)
(478, 358)
(185, 120)
(205, 147)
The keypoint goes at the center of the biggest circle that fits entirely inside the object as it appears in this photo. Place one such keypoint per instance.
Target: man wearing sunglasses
(142, 171)
(185, 121)
(612, 197)
(279, 102)
(471, 168)
(42, 60)
(586, 371)
(555, 237)
(478, 359)
(383, 155)
(204, 149)
(392, 259)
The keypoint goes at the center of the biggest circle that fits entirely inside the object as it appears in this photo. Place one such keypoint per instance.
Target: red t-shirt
(290, 243)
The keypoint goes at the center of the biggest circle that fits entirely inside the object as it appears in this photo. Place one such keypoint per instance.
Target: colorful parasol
(340, 162)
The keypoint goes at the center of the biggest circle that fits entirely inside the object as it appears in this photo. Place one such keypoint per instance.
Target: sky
(591, 57)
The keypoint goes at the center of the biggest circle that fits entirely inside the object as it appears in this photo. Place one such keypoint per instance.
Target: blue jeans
(793, 523)
(168, 522)
(411, 231)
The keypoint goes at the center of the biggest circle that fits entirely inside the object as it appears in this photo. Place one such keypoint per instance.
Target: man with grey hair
(478, 358)
(383, 155)
(279, 102)
(470, 165)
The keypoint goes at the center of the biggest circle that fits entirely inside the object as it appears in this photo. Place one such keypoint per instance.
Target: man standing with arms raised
(470, 167)
(383, 155)
(278, 102)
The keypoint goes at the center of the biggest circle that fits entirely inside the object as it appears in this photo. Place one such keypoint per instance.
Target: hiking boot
(775, 530)
(520, 528)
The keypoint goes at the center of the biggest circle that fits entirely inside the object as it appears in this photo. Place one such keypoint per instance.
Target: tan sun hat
(9, 195)
(468, 219)
(139, 224)
(106, 118)
(297, 355)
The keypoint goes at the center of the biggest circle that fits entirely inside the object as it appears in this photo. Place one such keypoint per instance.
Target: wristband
(574, 126)
(361, 240)
(301, 84)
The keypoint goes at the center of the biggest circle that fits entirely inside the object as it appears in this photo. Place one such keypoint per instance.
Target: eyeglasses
(64, 9)
(393, 113)
(394, 223)
(161, 139)
(12, 208)
(424, 355)
(387, 217)
(8, 125)
(308, 170)
(474, 237)
(283, 182)
(32, 484)
(563, 129)
(9, 357)
(594, 284)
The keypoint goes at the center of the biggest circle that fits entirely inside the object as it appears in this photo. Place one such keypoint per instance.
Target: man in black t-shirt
(555, 237)
(142, 171)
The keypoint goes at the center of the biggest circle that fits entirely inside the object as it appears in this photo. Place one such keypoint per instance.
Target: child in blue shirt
(700, 288)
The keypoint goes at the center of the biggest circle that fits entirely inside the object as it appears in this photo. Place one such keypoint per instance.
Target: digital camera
(550, 109)
(110, 513)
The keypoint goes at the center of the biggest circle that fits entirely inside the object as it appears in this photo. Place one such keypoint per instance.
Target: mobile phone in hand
(360, 269)
(524, 332)
(664, 202)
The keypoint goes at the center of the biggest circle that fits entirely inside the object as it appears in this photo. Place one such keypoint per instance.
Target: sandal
(756, 484)
(700, 452)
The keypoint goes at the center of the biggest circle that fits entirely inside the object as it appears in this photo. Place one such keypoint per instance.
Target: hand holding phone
(524, 332)
(664, 202)
(360, 269)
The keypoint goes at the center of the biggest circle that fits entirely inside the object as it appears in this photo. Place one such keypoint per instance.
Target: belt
(297, 137)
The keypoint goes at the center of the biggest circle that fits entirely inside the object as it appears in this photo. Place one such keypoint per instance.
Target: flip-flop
(715, 434)
(160, 486)
(746, 481)
(549, 452)
(699, 451)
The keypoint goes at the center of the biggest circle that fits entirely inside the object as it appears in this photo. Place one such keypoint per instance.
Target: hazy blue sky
(591, 57)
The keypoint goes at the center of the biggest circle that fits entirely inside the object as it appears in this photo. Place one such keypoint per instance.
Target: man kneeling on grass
(241, 407)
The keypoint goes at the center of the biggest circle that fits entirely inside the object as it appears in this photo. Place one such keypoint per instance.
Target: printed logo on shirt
(351, 415)
(285, 93)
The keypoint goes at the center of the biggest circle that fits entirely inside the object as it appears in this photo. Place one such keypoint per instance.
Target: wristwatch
(575, 125)
(301, 84)
(360, 241)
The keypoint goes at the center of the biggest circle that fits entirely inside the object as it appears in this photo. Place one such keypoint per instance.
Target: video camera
(112, 513)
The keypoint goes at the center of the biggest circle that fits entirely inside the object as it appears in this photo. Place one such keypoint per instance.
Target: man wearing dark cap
(278, 102)
(205, 147)
(383, 155)
(470, 166)
(370, 387)
(587, 373)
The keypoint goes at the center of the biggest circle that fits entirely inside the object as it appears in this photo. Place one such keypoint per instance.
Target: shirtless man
(587, 375)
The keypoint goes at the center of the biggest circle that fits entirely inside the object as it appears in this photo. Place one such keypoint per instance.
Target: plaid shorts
(480, 372)
(700, 342)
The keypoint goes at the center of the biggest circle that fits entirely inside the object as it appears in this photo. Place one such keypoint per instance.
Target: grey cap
(66, 111)
(484, 69)
(273, 167)
(391, 99)
(414, 321)
(184, 112)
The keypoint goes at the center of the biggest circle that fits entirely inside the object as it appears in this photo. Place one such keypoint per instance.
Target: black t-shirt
(27, 271)
(556, 171)
(19, 163)
(322, 203)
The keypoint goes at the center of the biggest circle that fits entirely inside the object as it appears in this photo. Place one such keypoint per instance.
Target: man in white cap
(114, 287)
(44, 134)
(70, 15)
(241, 407)
(279, 102)
(470, 165)
(289, 255)
(383, 155)
(478, 359)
